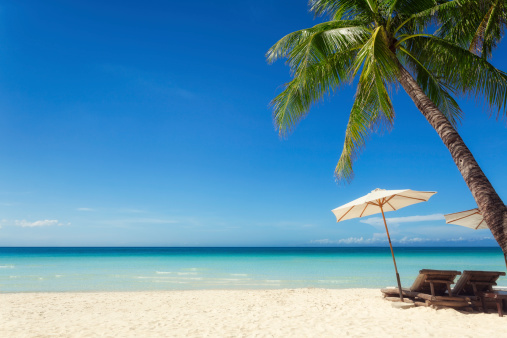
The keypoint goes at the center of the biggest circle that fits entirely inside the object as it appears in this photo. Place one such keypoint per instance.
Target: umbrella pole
(392, 252)
(505, 257)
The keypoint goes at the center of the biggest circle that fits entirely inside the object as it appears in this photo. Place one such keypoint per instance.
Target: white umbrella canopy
(470, 218)
(387, 200)
(381, 200)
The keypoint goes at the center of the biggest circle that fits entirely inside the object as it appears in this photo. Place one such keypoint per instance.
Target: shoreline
(195, 313)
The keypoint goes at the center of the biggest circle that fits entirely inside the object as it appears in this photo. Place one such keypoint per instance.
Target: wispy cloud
(377, 238)
(378, 221)
(406, 240)
(444, 240)
(381, 238)
(42, 223)
(350, 240)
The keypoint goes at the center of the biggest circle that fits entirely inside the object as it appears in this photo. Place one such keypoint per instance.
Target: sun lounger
(472, 282)
(431, 282)
(480, 285)
(435, 282)
(431, 288)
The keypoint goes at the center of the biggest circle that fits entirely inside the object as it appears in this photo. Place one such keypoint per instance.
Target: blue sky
(146, 123)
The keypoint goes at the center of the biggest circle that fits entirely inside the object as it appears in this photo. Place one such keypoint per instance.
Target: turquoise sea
(142, 269)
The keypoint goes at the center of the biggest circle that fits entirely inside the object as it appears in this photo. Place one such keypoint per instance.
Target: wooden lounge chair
(479, 286)
(435, 282)
(473, 282)
(431, 287)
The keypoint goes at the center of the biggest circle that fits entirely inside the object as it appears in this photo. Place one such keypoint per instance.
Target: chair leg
(483, 304)
(449, 290)
(432, 289)
(499, 305)
(481, 297)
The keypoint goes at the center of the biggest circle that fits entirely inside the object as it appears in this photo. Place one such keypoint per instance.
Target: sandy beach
(233, 313)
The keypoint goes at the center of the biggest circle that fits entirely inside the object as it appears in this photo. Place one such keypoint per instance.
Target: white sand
(233, 313)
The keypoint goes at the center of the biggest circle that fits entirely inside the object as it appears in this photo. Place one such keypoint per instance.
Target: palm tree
(387, 43)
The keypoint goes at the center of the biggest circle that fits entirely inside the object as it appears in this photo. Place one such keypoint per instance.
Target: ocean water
(143, 269)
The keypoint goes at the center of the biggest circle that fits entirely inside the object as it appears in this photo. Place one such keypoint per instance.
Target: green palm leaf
(372, 110)
(469, 74)
(311, 84)
(435, 88)
(329, 37)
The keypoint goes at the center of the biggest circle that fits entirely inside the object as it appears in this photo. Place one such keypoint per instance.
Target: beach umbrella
(471, 219)
(381, 201)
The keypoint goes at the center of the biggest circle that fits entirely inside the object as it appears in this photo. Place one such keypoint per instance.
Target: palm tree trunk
(491, 206)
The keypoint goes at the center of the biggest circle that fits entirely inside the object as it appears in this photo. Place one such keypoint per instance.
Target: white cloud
(352, 240)
(462, 239)
(379, 238)
(47, 222)
(457, 239)
(322, 241)
(379, 222)
(414, 240)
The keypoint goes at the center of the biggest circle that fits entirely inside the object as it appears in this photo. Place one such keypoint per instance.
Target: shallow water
(141, 269)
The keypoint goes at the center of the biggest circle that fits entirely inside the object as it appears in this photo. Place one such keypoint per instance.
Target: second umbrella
(381, 200)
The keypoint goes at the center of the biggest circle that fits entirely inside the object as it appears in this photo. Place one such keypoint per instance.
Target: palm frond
(372, 110)
(474, 24)
(366, 117)
(435, 88)
(411, 7)
(398, 11)
(318, 46)
(334, 34)
(319, 59)
(342, 9)
(375, 55)
(427, 14)
(490, 29)
(469, 74)
(478, 37)
(307, 87)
